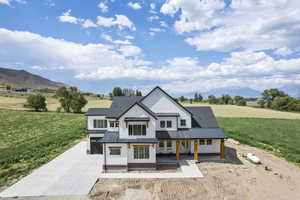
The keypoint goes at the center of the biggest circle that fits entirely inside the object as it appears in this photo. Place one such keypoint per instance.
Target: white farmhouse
(134, 130)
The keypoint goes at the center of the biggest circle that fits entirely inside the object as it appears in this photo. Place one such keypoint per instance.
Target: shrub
(36, 102)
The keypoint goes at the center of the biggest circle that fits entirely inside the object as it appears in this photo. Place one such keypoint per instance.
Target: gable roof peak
(164, 92)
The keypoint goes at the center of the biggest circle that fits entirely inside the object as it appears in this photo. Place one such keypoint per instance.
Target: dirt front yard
(236, 178)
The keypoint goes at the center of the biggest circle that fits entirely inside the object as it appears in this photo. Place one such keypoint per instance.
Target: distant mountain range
(292, 90)
(24, 79)
(235, 91)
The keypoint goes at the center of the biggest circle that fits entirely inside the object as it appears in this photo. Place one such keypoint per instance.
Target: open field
(247, 111)
(234, 179)
(16, 101)
(281, 136)
(30, 139)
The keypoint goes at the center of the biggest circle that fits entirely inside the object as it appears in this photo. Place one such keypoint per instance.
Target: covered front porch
(188, 149)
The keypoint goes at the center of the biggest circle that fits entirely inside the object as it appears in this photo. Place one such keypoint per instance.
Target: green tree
(212, 99)
(8, 87)
(117, 91)
(240, 101)
(191, 101)
(110, 96)
(196, 97)
(36, 102)
(269, 95)
(181, 98)
(226, 99)
(138, 93)
(71, 99)
(200, 97)
(64, 98)
(283, 103)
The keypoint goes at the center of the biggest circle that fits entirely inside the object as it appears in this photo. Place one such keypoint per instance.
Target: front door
(185, 147)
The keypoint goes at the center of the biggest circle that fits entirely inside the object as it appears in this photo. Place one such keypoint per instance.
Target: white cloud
(247, 24)
(163, 24)
(152, 6)
(135, 6)
(156, 30)
(93, 60)
(129, 37)
(21, 1)
(121, 21)
(284, 51)
(6, 2)
(49, 3)
(129, 50)
(124, 42)
(152, 18)
(66, 17)
(254, 69)
(106, 37)
(88, 23)
(103, 7)
(109, 39)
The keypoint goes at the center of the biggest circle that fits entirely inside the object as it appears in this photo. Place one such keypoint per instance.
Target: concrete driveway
(72, 173)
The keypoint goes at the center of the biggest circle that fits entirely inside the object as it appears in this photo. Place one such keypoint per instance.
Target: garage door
(96, 146)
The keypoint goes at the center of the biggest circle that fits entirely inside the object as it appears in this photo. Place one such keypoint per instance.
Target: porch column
(222, 147)
(195, 149)
(177, 149)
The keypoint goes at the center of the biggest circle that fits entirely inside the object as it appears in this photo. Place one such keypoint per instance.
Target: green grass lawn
(279, 135)
(30, 139)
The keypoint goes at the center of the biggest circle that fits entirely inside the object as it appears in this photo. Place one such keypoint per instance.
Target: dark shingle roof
(193, 133)
(121, 104)
(96, 111)
(113, 137)
(203, 117)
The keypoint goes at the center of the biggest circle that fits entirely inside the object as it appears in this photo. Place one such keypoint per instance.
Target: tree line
(224, 99)
(278, 100)
(117, 91)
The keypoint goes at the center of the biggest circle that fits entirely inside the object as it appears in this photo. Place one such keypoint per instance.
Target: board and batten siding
(116, 159)
(159, 102)
(90, 122)
(172, 119)
(137, 111)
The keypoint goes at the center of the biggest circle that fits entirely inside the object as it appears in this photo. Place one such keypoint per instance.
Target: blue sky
(183, 46)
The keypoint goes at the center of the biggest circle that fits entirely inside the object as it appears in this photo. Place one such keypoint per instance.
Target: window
(141, 152)
(100, 123)
(182, 122)
(169, 124)
(169, 144)
(137, 129)
(115, 151)
(162, 124)
(161, 144)
(111, 124)
(202, 142)
(117, 124)
(209, 142)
